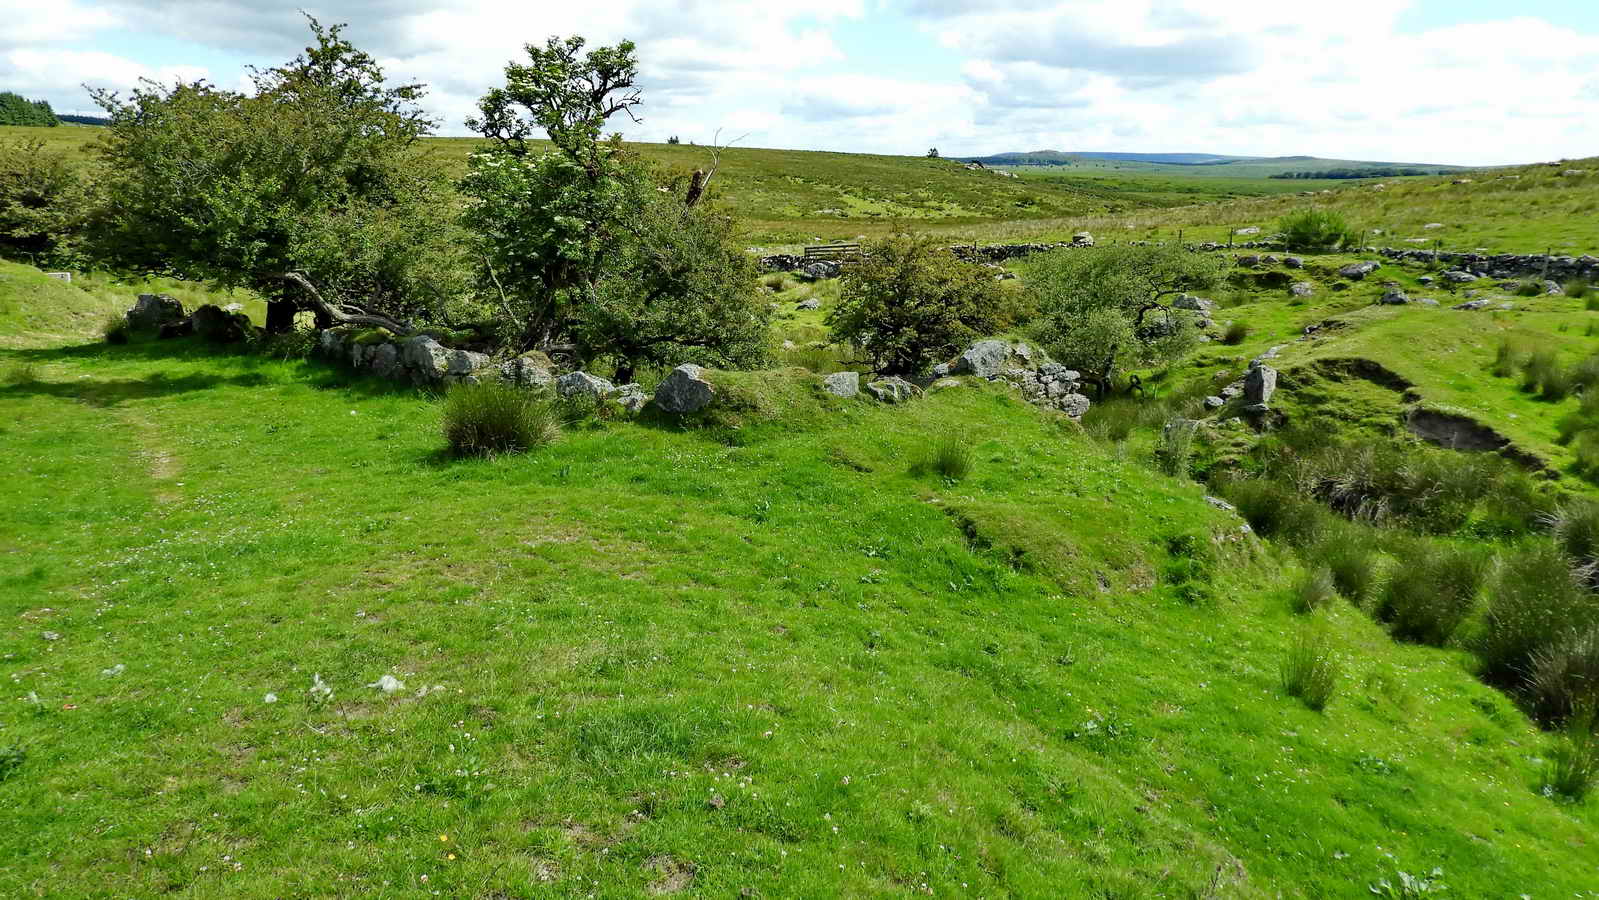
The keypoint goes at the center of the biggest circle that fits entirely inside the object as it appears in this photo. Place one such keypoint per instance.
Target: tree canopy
(18, 110)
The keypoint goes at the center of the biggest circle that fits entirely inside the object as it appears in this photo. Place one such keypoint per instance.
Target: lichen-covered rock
(425, 357)
(151, 311)
(1301, 289)
(842, 384)
(685, 390)
(1393, 297)
(1359, 270)
(527, 372)
(820, 269)
(983, 359)
(1259, 385)
(892, 390)
(1189, 301)
(1074, 405)
(384, 360)
(631, 398)
(1459, 276)
(1082, 239)
(574, 384)
(811, 303)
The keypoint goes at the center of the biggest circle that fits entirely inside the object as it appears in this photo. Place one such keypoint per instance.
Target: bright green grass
(766, 658)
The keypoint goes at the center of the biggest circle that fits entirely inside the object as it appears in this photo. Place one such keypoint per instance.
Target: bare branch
(339, 316)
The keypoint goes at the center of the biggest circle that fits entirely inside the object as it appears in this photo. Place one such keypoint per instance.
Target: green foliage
(490, 418)
(1406, 886)
(18, 110)
(1432, 591)
(1509, 356)
(21, 372)
(1276, 510)
(907, 303)
(1316, 229)
(1102, 308)
(1189, 570)
(1538, 368)
(1564, 678)
(950, 457)
(1235, 334)
(1174, 449)
(1310, 671)
(1572, 770)
(11, 760)
(1316, 589)
(1535, 588)
(1349, 553)
(1529, 287)
(1576, 531)
(312, 172)
(45, 204)
(582, 245)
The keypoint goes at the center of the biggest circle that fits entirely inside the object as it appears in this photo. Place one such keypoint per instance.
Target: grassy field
(762, 658)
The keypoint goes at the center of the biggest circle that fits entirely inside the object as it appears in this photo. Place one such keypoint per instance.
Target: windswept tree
(308, 191)
(1101, 310)
(588, 251)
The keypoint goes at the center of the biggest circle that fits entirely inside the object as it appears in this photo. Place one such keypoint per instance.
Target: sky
(1469, 82)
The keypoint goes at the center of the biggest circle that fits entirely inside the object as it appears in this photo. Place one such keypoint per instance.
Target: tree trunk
(624, 372)
(280, 316)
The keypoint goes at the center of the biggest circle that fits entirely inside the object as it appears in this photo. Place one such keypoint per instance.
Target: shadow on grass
(241, 366)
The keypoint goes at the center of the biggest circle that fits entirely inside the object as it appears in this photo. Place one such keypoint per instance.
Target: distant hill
(1216, 164)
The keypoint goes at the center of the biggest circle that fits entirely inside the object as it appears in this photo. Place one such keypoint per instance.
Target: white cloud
(1246, 76)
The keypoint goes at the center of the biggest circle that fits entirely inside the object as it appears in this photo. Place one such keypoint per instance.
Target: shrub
(1509, 357)
(1275, 510)
(490, 418)
(1103, 309)
(116, 329)
(1432, 592)
(1534, 590)
(1349, 554)
(908, 303)
(1236, 333)
(1565, 676)
(1537, 367)
(1573, 764)
(1315, 229)
(1310, 671)
(949, 457)
(1174, 450)
(1112, 420)
(1315, 590)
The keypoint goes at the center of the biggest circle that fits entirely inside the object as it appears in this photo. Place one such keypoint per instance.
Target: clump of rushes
(1235, 334)
(1315, 590)
(490, 418)
(1310, 671)
(949, 457)
(115, 330)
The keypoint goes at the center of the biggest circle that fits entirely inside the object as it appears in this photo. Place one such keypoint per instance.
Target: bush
(1315, 590)
(1349, 554)
(1534, 590)
(1310, 671)
(1174, 450)
(1573, 764)
(948, 457)
(116, 329)
(1236, 333)
(909, 304)
(1537, 367)
(1315, 229)
(1275, 510)
(1432, 592)
(490, 418)
(1565, 676)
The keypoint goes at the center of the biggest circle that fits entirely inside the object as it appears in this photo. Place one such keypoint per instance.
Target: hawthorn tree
(908, 302)
(588, 252)
(1100, 309)
(308, 191)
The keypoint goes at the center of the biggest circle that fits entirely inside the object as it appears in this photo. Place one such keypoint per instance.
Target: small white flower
(270, 698)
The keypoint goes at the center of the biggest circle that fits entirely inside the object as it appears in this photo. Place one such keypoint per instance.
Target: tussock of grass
(1350, 555)
(1432, 591)
(116, 329)
(1236, 333)
(489, 419)
(1310, 671)
(1315, 590)
(1174, 450)
(20, 373)
(1564, 677)
(1535, 587)
(950, 457)
(1572, 768)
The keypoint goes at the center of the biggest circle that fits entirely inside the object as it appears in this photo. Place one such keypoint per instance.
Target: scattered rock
(528, 372)
(892, 390)
(983, 359)
(1394, 297)
(631, 398)
(1250, 230)
(1293, 262)
(842, 384)
(214, 324)
(1074, 405)
(1359, 270)
(1431, 226)
(1214, 402)
(1248, 262)
(151, 311)
(1459, 277)
(1553, 289)
(1082, 239)
(822, 268)
(685, 390)
(1259, 385)
(574, 384)
(1197, 304)
(1301, 289)
(1474, 304)
(809, 303)
(425, 356)
(1427, 301)
(1220, 504)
